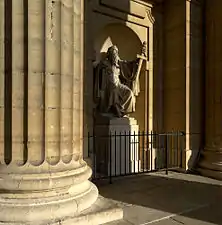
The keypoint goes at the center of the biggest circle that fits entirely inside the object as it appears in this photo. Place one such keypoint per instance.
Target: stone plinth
(117, 145)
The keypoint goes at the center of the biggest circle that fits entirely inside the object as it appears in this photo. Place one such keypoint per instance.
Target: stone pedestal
(43, 178)
(117, 145)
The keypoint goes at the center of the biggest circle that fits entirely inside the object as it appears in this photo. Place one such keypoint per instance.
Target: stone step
(102, 212)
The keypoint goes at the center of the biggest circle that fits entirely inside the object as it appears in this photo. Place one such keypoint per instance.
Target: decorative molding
(150, 15)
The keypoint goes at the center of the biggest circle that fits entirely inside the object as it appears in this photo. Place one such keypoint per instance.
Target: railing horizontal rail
(136, 134)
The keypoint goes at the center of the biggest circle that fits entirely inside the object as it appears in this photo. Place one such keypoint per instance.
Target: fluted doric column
(211, 157)
(43, 178)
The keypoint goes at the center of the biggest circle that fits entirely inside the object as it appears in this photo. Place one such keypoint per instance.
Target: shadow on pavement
(192, 196)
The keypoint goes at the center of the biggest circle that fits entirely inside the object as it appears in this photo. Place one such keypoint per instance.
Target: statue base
(116, 144)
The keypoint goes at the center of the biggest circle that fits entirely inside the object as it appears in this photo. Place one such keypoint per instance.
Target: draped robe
(115, 87)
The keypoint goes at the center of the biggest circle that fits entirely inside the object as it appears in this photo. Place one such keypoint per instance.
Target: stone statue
(116, 83)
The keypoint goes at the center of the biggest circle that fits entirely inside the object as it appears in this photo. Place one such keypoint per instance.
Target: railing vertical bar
(115, 152)
(94, 156)
(178, 148)
(143, 149)
(159, 152)
(182, 148)
(134, 151)
(105, 158)
(88, 145)
(138, 156)
(147, 150)
(169, 149)
(110, 158)
(166, 153)
(120, 152)
(175, 150)
(130, 166)
(125, 138)
(151, 153)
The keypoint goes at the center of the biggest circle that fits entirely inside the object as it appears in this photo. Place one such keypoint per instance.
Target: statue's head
(113, 54)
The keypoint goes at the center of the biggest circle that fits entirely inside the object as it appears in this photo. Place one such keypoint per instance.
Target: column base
(210, 164)
(64, 197)
(210, 173)
(28, 210)
(102, 211)
(28, 198)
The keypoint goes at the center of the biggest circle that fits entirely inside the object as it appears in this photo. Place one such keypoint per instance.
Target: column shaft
(17, 81)
(211, 157)
(52, 80)
(36, 79)
(77, 83)
(67, 61)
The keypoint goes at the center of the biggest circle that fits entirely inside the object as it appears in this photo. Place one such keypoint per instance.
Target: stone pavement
(166, 200)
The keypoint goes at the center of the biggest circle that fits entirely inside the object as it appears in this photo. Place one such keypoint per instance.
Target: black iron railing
(126, 153)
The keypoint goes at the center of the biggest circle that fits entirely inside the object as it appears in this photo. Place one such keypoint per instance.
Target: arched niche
(122, 36)
(129, 45)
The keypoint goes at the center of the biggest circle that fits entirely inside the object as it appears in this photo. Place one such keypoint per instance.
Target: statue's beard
(115, 60)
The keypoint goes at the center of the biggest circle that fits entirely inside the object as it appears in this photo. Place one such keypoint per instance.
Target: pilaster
(194, 82)
(183, 79)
